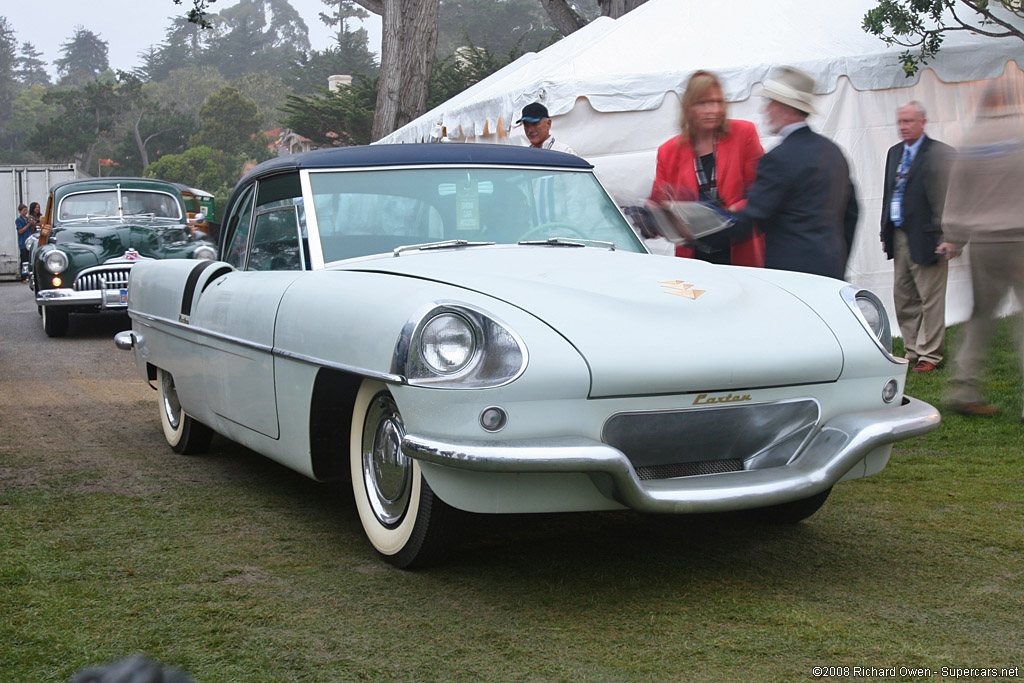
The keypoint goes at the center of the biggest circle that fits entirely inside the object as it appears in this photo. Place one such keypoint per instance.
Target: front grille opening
(112, 279)
(688, 469)
(694, 441)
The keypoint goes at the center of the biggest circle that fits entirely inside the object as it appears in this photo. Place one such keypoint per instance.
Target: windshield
(104, 203)
(371, 212)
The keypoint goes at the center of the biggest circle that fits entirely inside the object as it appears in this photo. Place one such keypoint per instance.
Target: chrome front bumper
(837, 447)
(111, 298)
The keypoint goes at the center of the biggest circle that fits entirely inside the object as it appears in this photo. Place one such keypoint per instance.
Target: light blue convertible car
(477, 327)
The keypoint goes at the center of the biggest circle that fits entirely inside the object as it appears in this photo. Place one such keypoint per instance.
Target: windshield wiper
(571, 242)
(445, 244)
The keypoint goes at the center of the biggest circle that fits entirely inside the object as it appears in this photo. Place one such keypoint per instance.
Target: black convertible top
(418, 154)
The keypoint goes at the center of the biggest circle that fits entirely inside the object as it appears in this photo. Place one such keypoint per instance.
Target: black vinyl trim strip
(190, 286)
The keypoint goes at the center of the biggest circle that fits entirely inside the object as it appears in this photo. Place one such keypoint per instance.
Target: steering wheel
(546, 230)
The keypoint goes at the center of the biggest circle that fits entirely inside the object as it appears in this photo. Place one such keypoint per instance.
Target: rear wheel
(403, 520)
(55, 321)
(791, 512)
(184, 435)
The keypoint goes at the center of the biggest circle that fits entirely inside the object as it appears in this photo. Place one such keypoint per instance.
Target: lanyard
(709, 188)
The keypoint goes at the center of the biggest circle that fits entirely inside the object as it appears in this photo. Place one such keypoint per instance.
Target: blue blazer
(804, 202)
(923, 197)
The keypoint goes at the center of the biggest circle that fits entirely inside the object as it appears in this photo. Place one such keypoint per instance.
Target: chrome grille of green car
(697, 441)
(114, 278)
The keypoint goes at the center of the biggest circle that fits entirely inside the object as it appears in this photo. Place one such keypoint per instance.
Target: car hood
(111, 239)
(647, 324)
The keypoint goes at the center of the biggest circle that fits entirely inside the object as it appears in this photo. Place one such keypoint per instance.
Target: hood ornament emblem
(131, 255)
(680, 288)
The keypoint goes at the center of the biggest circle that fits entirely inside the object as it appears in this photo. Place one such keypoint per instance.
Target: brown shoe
(973, 408)
(924, 366)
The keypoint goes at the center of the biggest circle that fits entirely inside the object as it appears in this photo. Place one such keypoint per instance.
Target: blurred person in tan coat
(985, 207)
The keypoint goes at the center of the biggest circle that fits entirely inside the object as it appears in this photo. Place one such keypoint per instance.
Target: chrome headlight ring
(453, 345)
(872, 315)
(55, 260)
(205, 252)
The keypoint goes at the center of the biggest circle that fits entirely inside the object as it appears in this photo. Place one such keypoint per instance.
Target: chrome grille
(113, 278)
(695, 441)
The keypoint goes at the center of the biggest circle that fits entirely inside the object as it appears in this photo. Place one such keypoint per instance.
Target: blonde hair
(696, 88)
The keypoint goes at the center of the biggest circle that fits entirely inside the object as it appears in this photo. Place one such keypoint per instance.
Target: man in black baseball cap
(537, 126)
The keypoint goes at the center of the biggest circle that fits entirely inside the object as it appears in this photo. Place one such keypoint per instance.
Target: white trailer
(24, 184)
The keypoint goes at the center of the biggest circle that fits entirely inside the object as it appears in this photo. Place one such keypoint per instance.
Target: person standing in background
(537, 127)
(985, 206)
(916, 171)
(803, 199)
(25, 226)
(714, 160)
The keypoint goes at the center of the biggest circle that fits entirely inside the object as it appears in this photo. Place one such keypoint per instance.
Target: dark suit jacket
(923, 198)
(804, 202)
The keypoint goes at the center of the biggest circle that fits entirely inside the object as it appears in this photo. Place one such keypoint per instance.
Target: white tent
(613, 91)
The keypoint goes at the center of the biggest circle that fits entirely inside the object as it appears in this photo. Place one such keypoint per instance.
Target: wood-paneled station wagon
(477, 327)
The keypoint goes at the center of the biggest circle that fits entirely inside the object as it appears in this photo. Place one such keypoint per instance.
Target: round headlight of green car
(205, 253)
(448, 343)
(56, 261)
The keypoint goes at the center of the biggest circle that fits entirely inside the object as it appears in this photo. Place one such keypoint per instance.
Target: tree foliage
(31, 70)
(8, 79)
(922, 24)
(501, 26)
(85, 116)
(228, 121)
(187, 87)
(268, 92)
(334, 119)
(83, 57)
(203, 167)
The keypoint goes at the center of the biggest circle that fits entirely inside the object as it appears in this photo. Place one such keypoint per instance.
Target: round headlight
(448, 343)
(30, 243)
(205, 253)
(873, 314)
(55, 261)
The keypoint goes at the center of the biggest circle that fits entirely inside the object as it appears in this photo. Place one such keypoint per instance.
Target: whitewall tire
(184, 435)
(403, 520)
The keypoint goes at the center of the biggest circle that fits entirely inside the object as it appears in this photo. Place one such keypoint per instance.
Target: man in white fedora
(802, 199)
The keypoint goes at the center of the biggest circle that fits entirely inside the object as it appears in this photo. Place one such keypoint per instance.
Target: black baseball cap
(534, 112)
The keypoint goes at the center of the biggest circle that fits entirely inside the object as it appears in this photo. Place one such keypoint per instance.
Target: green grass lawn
(236, 569)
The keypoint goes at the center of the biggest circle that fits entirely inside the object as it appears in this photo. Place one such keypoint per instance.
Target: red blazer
(736, 159)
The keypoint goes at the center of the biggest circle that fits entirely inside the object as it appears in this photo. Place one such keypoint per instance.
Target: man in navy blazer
(915, 189)
(802, 199)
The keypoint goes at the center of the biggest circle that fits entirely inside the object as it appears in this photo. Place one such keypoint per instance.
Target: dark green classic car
(93, 232)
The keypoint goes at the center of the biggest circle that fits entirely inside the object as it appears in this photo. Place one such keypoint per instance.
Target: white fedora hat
(791, 86)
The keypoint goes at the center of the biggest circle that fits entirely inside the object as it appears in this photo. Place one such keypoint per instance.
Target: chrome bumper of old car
(107, 298)
(839, 445)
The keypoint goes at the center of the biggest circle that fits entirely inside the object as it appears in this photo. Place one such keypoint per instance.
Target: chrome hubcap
(387, 472)
(172, 407)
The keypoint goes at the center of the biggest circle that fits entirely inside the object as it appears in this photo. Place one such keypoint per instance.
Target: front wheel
(55, 321)
(184, 435)
(404, 521)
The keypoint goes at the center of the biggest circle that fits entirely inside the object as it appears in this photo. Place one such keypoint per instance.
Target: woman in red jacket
(713, 160)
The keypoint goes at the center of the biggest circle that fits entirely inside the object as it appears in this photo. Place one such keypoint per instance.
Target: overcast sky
(131, 26)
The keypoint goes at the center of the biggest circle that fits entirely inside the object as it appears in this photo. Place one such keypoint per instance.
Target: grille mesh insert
(688, 469)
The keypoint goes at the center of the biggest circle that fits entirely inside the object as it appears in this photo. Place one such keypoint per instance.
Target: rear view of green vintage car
(94, 231)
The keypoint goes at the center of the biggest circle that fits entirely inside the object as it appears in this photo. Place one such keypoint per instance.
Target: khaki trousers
(996, 267)
(919, 293)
